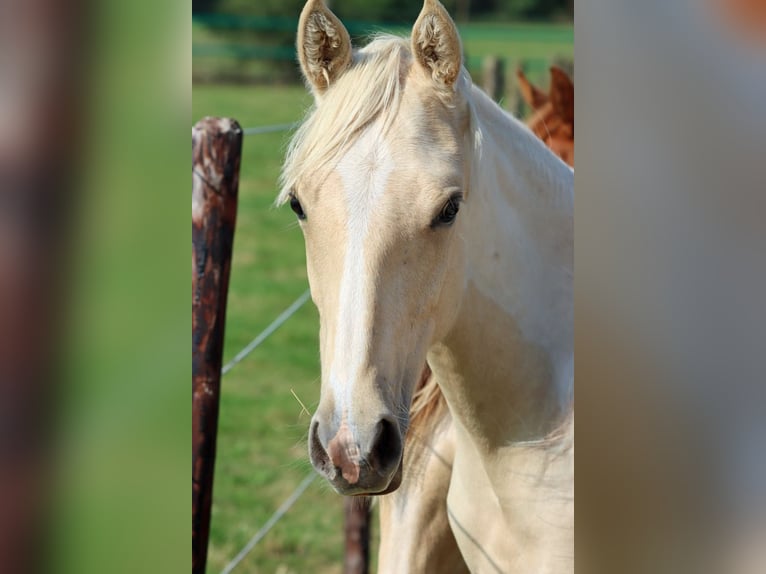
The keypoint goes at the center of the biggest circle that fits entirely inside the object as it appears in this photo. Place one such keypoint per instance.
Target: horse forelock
(370, 90)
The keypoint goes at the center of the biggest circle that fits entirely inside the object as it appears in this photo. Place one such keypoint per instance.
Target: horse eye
(449, 212)
(295, 205)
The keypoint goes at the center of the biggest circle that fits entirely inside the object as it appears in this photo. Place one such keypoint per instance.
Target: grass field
(262, 453)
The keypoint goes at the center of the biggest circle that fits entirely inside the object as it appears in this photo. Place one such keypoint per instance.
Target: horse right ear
(324, 46)
(532, 95)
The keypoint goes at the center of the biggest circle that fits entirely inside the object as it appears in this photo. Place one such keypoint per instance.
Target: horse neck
(513, 336)
(513, 164)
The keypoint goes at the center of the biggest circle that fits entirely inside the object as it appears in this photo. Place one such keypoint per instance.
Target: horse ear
(534, 97)
(324, 46)
(436, 44)
(562, 94)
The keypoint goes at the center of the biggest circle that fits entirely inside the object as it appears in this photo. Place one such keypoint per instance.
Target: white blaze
(364, 172)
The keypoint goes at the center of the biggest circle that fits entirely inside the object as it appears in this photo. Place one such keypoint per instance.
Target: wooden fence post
(357, 555)
(493, 76)
(216, 149)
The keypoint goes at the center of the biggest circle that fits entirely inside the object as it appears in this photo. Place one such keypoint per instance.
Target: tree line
(399, 11)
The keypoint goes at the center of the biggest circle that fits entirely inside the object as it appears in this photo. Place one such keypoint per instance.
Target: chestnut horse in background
(552, 117)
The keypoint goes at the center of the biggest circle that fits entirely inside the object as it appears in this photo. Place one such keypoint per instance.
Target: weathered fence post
(357, 556)
(216, 149)
(493, 76)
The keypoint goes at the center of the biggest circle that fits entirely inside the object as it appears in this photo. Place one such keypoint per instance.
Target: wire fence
(267, 332)
(280, 320)
(270, 129)
(280, 512)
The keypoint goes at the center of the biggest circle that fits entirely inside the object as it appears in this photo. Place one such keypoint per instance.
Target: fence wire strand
(280, 512)
(270, 129)
(276, 324)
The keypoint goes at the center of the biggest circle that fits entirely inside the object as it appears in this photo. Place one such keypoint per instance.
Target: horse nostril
(386, 446)
(317, 452)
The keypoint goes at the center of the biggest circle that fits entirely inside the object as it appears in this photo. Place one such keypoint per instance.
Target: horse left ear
(436, 44)
(562, 94)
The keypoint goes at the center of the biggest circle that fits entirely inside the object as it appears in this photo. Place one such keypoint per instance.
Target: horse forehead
(386, 163)
(367, 162)
(364, 170)
(378, 161)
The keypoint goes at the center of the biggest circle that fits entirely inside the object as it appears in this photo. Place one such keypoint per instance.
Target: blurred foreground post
(42, 107)
(216, 149)
(357, 556)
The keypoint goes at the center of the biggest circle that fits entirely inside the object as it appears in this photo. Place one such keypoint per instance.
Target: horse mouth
(341, 486)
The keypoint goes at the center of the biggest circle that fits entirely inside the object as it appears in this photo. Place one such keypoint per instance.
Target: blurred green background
(121, 480)
(244, 67)
(241, 42)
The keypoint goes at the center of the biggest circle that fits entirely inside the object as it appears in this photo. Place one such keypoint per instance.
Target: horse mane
(428, 404)
(370, 89)
(428, 413)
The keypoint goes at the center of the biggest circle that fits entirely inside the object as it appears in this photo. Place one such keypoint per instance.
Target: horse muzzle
(356, 462)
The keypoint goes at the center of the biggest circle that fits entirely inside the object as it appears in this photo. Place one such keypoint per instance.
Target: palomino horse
(414, 528)
(439, 229)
